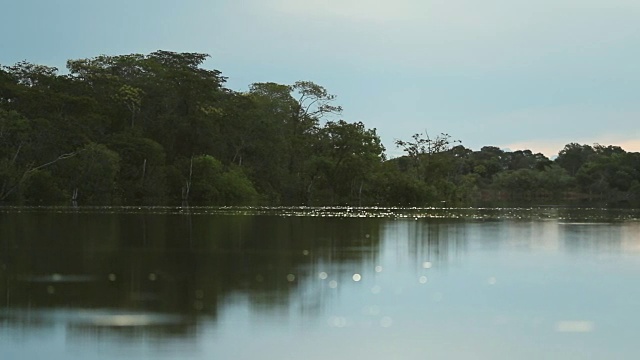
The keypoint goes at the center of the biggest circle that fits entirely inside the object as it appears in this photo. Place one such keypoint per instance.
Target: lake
(319, 283)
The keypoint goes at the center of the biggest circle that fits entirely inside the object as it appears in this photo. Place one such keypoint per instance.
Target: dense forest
(159, 129)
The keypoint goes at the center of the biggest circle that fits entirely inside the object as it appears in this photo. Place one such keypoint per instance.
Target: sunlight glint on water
(144, 283)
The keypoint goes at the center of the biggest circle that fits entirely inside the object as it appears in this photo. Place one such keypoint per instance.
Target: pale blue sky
(508, 73)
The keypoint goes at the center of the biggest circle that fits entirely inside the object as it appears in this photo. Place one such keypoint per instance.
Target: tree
(519, 184)
(207, 182)
(490, 160)
(346, 156)
(314, 101)
(131, 98)
(167, 94)
(393, 187)
(423, 149)
(90, 177)
(608, 172)
(19, 152)
(290, 116)
(141, 178)
(573, 156)
(42, 188)
(525, 159)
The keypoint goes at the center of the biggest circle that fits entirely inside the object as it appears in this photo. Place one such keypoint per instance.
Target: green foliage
(237, 188)
(520, 183)
(346, 156)
(90, 176)
(396, 188)
(205, 179)
(555, 180)
(24, 147)
(141, 179)
(423, 151)
(40, 187)
(468, 188)
(159, 128)
(14, 135)
(209, 183)
(574, 156)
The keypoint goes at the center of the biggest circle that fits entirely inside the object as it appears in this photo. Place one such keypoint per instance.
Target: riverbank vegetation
(161, 129)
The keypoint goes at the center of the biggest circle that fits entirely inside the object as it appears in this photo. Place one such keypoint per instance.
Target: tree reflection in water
(135, 269)
(127, 274)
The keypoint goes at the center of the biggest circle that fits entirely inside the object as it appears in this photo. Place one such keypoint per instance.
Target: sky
(509, 73)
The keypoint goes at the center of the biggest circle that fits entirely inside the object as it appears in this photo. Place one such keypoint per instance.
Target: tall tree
(347, 156)
(573, 156)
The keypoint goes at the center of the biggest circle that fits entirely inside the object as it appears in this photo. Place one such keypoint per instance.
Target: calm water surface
(341, 283)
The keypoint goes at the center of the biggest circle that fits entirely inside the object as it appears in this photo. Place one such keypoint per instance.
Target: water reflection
(189, 278)
(168, 264)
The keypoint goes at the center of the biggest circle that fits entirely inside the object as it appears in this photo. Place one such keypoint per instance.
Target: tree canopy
(161, 129)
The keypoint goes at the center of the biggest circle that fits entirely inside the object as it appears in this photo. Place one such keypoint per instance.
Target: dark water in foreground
(295, 283)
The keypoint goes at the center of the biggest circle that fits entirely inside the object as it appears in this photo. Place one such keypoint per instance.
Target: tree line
(161, 129)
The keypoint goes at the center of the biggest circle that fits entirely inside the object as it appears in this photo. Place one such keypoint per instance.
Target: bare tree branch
(61, 157)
